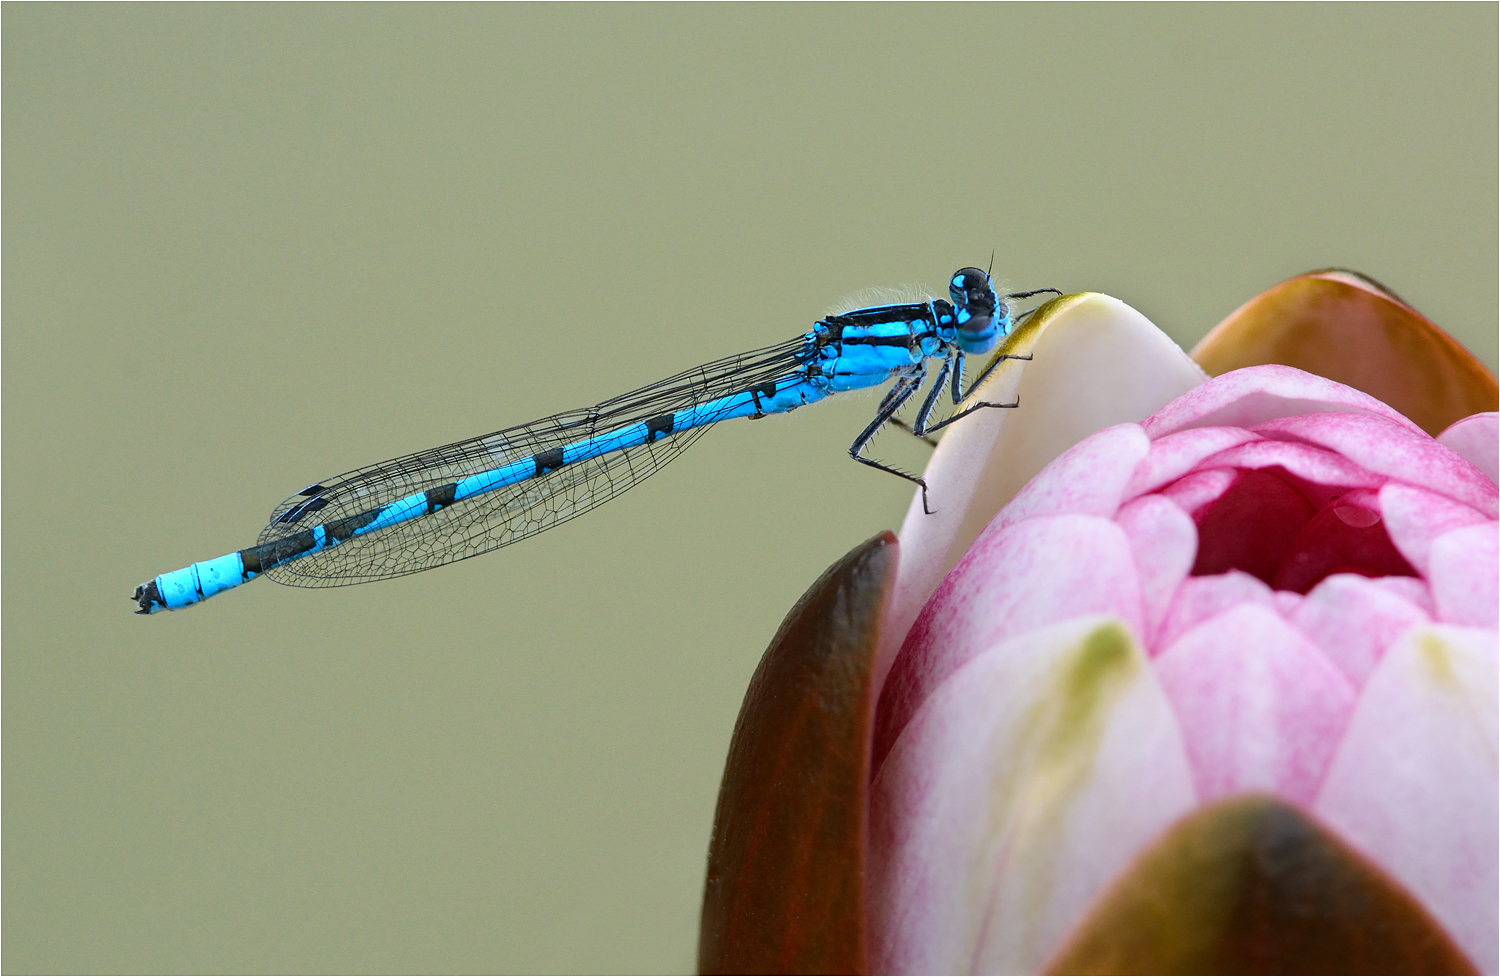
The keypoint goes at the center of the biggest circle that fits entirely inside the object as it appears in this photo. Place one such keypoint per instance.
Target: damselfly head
(982, 319)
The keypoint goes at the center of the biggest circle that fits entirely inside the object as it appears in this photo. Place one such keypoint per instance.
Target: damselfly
(450, 503)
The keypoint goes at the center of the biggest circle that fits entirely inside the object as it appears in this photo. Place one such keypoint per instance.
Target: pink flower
(1169, 649)
(1274, 585)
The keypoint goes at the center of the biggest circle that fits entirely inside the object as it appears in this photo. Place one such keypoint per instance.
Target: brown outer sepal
(1347, 327)
(1252, 885)
(786, 863)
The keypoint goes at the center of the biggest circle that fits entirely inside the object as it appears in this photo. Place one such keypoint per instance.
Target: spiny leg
(900, 390)
(899, 424)
(987, 371)
(919, 429)
(965, 413)
(924, 413)
(922, 429)
(892, 403)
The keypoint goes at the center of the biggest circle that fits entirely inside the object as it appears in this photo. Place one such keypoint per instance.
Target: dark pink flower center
(1267, 526)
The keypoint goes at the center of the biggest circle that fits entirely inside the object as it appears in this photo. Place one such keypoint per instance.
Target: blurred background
(249, 247)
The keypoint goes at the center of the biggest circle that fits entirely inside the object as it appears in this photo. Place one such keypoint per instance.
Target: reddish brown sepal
(1252, 885)
(786, 864)
(1350, 328)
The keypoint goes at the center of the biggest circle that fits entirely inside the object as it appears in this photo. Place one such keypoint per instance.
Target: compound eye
(973, 295)
(975, 305)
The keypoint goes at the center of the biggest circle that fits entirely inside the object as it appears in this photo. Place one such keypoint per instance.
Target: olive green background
(248, 247)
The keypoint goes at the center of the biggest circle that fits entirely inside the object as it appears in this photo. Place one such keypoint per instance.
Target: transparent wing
(484, 522)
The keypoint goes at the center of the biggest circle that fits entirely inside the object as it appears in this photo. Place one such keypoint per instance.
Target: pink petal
(1354, 620)
(1386, 448)
(1175, 455)
(1286, 602)
(1415, 517)
(1410, 589)
(1192, 493)
(1251, 527)
(1244, 398)
(1030, 575)
(1022, 787)
(1164, 542)
(1414, 783)
(1087, 479)
(1304, 461)
(1202, 598)
(1477, 438)
(1462, 571)
(1261, 707)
